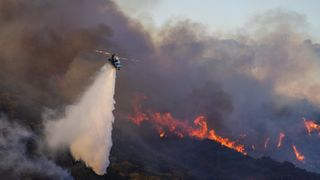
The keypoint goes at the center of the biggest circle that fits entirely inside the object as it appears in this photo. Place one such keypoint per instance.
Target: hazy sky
(219, 14)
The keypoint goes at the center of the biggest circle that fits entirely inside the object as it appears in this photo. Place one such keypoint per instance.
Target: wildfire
(139, 115)
(265, 144)
(226, 142)
(180, 128)
(162, 134)
(299, 156)
(201, 132)
(311, 126)
(164, 122)
(280, 138)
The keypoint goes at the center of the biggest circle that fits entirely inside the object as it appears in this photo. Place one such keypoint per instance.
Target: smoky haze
(260, 81)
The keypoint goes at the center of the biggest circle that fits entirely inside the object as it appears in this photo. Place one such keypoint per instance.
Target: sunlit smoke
(87, 125)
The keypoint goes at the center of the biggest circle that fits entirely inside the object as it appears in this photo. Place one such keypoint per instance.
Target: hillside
(142, 154)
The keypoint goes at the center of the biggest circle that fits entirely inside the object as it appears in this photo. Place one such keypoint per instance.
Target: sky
(218, 15)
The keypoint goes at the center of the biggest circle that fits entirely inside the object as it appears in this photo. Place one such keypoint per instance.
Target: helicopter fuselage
(115, 61)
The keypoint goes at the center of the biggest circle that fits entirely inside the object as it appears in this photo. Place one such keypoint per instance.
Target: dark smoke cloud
(211, 102)
(40, 40)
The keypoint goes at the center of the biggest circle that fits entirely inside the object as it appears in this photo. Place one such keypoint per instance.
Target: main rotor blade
(128, 59)
(103, 52)
(109, 54)
(123, 54)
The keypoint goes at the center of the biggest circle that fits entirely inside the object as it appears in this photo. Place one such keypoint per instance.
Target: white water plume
(87, 125)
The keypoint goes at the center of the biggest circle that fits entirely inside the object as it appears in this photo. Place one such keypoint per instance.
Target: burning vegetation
(299, 155)
(280, 138)
(168, 126)
(312, 126)
(164, 121)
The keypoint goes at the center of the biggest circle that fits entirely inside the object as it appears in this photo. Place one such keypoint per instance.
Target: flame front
(311, 126)
(164, 123)
(181, 128)
(226, 142)
(168, 125)
(200, 132)
(299, 156)
(139, 115)
(280, 138)
(160, 121)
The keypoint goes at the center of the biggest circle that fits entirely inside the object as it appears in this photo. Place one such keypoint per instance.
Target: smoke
(258, 80)
(264, 80)
(87, 125)
(16, 161)
(40, 41)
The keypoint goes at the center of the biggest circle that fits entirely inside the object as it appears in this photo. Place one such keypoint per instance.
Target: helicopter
(115, 60)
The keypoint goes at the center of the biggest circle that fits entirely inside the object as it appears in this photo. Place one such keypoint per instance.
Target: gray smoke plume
(16, 163)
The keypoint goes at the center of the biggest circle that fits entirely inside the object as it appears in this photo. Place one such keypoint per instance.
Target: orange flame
(160, 120)
(311, 126)
(164, 121)
(280, 138)
(226, 142)
(139, 115)
(200, 132)
(179, 128)
(162, 134)
(253, 147)
(299, 156)
(265, 144)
